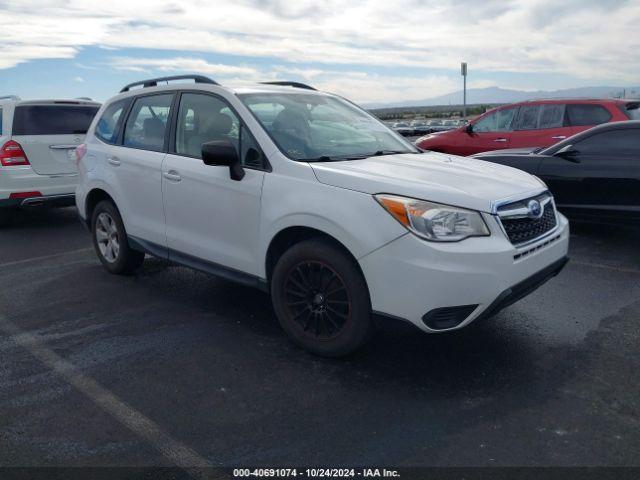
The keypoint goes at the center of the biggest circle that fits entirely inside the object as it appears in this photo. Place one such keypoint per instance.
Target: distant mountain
(503, 95)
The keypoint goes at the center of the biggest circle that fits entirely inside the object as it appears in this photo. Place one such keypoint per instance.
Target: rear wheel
(110, 240)
(321, 299)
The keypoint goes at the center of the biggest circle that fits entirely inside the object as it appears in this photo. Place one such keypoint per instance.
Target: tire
(110, 240)
(5, 217)
(321, 299)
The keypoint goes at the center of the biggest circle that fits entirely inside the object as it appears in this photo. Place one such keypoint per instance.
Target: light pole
(463, 71)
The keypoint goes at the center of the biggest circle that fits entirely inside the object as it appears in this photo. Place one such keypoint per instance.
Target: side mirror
(222, 153)
(568, 153)
(469, 129)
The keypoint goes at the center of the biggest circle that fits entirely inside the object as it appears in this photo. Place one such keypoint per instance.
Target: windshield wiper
(322, 158)
(379, 153)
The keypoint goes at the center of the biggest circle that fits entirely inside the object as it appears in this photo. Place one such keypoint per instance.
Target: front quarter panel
(353, 218)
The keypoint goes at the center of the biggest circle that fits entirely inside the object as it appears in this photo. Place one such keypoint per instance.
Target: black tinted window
(147, 122)
(52, 119)
(107, 127)
(250, 152)
(613, 142)
(580, 115)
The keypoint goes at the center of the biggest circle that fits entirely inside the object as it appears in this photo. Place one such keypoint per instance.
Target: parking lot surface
(174, 367)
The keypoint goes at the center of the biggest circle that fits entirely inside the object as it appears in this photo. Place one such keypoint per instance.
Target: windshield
(311, 127)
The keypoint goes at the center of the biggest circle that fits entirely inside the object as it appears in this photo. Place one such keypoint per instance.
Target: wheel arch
(95, 196)
(290, 236)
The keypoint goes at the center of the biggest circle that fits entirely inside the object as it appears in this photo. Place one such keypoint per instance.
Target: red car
(536, 123)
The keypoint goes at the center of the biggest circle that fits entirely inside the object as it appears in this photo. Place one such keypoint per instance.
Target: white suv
(305, 195)
(38, 139)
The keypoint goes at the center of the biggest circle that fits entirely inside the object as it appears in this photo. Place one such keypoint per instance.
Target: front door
(490, 132)
(603, 180)
(209, 216)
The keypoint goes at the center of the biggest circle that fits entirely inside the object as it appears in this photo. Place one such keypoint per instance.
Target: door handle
(62, 147)
(501, 140)
(172, 175)
(559, 137)
(115, 161)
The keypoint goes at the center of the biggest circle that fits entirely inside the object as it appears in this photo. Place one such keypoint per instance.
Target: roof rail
(152, 82)
(290, 84)
(85, 98)
(10, 97)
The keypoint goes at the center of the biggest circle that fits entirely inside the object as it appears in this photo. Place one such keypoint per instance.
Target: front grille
(520, 228)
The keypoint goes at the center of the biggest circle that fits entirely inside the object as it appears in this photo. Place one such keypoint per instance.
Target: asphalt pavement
(175, 367)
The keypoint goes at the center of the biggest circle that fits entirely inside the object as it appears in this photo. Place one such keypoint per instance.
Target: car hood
(449, 179)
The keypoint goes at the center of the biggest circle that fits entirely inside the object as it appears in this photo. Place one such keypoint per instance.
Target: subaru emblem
(535, 209)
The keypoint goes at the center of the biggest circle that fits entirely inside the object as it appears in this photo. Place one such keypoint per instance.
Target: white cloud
(176, 64)
(78, 79)
(526, 36)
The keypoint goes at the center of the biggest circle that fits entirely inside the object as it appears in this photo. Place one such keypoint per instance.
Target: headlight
(434, 221)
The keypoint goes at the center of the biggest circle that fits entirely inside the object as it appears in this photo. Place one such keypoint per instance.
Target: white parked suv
(38, 139)
(305, 195)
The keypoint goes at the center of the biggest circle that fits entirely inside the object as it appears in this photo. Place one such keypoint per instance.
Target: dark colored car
(594, 175)
(536, 123)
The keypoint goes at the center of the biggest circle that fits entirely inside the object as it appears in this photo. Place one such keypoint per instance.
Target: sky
(368, 51)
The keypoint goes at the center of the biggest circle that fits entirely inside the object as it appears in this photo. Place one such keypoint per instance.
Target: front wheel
(110, 240)
(321, 299)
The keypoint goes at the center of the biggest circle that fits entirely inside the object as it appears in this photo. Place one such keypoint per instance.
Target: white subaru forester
(305, 195)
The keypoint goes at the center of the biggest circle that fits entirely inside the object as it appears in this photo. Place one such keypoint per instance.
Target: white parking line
(606, 267)
(178, 453)
(44, 257)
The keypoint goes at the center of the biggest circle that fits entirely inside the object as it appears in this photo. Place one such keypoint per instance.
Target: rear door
(49, 134)
(540, 125)
(135, 164)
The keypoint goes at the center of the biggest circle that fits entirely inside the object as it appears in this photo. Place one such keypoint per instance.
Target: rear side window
(109, 123)
(147, 122)
(0, 121)
(52, 119)
(581, 115)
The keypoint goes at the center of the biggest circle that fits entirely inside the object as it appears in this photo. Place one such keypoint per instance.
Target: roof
(579, 100)
(207, 84)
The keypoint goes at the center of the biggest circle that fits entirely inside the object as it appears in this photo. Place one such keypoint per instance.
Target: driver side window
(498, 121)
(202, 119)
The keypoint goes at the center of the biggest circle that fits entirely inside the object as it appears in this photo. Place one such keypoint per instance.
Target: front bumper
(446, 286)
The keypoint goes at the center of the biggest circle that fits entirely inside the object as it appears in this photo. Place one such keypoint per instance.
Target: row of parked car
(301, 194)
(423, 127)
